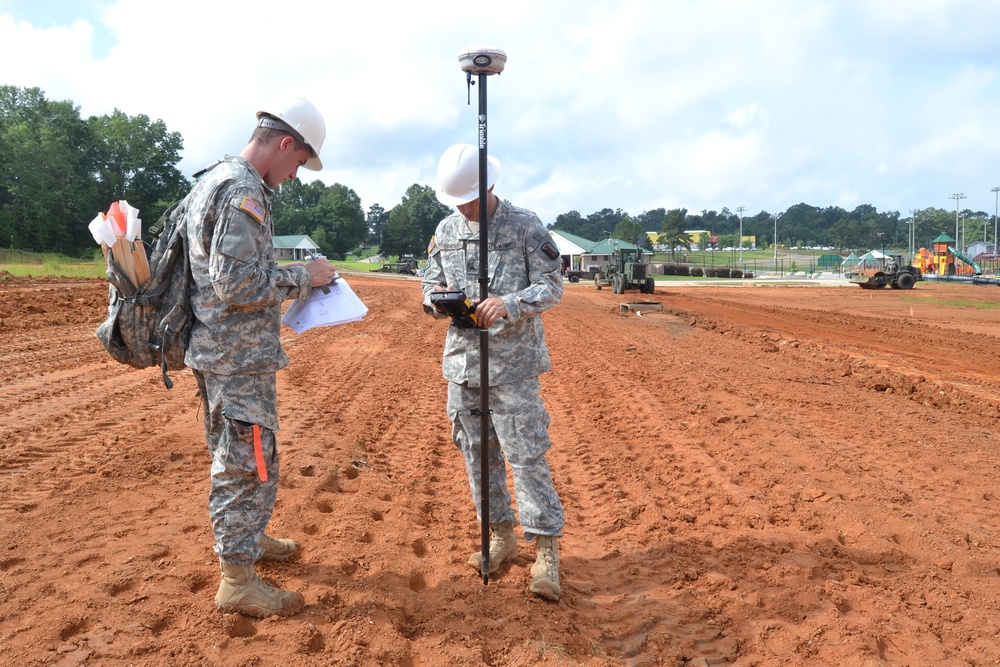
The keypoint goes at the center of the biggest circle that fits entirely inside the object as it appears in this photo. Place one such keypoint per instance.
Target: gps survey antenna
(483, 61)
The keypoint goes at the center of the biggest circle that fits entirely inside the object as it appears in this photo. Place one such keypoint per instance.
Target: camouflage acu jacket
(237, 287)
(524, 270)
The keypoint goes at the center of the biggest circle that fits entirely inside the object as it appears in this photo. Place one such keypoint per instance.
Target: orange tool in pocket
(258, 451)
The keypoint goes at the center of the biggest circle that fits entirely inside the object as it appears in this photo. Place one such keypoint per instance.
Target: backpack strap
(202, 172)
(174, 324)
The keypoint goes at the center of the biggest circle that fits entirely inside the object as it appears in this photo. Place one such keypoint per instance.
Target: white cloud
(636, 104)
(751, 114)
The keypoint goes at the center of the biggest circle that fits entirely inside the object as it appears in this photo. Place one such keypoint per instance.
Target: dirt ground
(770, 476)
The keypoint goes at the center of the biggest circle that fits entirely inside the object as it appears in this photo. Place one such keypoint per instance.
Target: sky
(632, 105)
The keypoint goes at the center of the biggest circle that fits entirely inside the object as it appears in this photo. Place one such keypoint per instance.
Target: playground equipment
(943, 259)
(975, 267)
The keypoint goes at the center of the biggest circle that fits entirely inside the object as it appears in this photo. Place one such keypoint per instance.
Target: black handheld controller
(456, 304)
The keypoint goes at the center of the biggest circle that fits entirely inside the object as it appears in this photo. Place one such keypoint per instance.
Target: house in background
(601, 252)
(572, 248)
(294, 247)
(980, 248)
(580, 254)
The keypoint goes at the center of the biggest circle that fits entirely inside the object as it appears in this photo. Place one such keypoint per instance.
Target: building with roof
(980, 248)
(600, 253)
(580, 254)
(572, 248)
(294, 247)
(701, 239)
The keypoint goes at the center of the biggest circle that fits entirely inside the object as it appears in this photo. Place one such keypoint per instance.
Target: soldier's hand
(322, 271)
(490, 311)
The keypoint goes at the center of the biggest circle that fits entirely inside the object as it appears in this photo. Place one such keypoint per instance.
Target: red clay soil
(770, 476)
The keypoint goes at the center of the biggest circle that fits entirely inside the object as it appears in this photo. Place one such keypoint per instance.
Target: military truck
(574, 276)
(895, 271)
(626, 271)
(406, 265)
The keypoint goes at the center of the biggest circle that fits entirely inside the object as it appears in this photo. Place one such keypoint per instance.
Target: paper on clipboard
(327, 306)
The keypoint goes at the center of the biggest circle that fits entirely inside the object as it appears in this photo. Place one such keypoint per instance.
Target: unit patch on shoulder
(253, 208)
(550, 250)
(431, 246)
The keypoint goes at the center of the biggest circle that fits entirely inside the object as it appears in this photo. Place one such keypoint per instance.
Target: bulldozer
(626, 271)
(895, 271)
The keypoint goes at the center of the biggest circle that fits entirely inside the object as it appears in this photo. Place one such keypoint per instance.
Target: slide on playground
(967, 260)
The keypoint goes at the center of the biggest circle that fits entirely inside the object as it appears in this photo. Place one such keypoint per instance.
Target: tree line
(57, 170)
(802, 225)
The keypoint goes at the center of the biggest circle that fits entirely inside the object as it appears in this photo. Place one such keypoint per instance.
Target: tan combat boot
(243, 592)
(545, 571)
(278, 550)
(503, 547)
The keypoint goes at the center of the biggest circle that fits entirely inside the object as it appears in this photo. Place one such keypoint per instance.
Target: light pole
(996, 205)
(776, 241)
(740, 209)
(956, 197)
(912, 245)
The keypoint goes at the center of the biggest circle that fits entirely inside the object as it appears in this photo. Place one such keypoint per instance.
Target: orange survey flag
(118, 231)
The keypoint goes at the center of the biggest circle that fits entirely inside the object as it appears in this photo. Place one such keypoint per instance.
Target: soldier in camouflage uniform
(525, 279)
(236, 295)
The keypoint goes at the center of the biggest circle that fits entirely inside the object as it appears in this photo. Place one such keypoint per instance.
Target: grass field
(24, 264)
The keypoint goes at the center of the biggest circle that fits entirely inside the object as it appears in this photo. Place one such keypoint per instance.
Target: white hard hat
(458, 174)
(302, 120)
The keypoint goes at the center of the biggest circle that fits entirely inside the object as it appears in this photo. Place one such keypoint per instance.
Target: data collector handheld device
(456, 304)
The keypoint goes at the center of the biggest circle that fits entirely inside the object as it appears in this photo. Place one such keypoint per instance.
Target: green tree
(412, 222)
(650, 221)
(377, 218)
(137, 161)
(340, 221)
(844, 234)
(47, 194)
(295, 207)
(672, 231)
(629, 230)
(601, 224)
(571, 222)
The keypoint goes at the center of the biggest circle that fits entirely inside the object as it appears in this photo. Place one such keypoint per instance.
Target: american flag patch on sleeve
(253, 208)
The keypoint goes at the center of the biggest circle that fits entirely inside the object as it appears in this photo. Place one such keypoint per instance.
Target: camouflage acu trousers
(239, 503)
(518, 435)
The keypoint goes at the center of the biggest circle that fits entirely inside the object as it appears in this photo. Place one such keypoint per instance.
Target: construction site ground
(763, 474)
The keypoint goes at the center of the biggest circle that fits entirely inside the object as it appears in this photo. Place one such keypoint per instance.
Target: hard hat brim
(313, 164)
(492, 174)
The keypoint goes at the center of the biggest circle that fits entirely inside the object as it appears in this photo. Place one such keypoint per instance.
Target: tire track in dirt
(744, 481)
(882, 337)
(57, 414)
(860, 545)
(385, 471)
(772, 504)
(615, 496)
